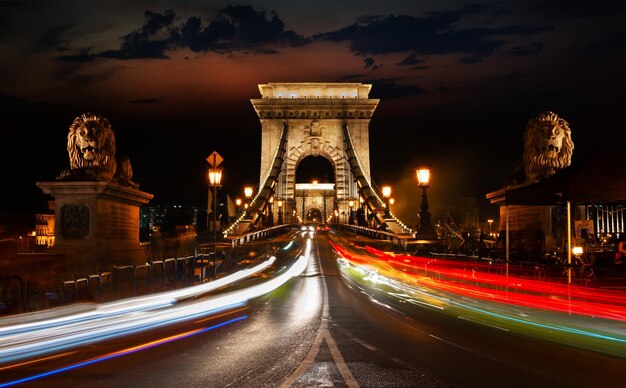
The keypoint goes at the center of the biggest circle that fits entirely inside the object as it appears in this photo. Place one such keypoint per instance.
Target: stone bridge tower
(315, 115)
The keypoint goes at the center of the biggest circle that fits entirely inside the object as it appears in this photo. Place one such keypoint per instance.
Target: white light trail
(123, 318)
(132, 305)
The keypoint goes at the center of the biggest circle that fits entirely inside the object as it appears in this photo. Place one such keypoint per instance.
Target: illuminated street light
(425, 230)
(423, 177)
(490, 221)
(247, 192)
(215, 180)
(215, 176)
(386, 195)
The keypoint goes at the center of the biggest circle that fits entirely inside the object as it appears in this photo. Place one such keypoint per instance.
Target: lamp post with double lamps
(215, 180)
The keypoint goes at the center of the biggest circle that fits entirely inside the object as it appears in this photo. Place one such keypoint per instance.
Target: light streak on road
(120, 353)
(589, 318)
(457, 269)
(25, 341)
(31, 362)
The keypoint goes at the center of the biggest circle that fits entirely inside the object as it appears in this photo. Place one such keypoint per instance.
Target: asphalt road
(321, 330)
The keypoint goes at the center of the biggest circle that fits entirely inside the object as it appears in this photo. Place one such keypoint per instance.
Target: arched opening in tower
(315, 216)
(315, 189)
(315, 168)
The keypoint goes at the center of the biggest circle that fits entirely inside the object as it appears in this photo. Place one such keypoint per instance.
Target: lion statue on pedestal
(548, 146)
(91, 148)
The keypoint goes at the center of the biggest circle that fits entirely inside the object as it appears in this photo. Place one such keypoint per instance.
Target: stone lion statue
(548, 146)
(91, 148)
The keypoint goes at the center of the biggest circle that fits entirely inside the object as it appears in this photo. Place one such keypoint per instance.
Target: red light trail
(454, 277)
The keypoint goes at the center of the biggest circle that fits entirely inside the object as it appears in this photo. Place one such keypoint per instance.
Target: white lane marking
(482, 323)
(363, 343)
(323, 334)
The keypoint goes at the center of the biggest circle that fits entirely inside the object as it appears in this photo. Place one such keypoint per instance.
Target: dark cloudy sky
(457, 81)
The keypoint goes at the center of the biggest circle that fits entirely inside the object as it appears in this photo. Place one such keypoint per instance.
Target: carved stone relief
(313, 135)
(75, 221)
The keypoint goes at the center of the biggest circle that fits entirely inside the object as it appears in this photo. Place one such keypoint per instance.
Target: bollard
(95, 287)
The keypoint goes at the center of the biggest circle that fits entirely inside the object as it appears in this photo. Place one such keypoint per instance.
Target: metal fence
(17, 295)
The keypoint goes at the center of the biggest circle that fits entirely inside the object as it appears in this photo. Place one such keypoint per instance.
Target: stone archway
(335, 159)
(314, 196)
(315, 168)
(314, 215)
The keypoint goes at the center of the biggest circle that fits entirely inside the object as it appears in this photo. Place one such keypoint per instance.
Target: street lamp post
(351, 205)
(247, 192)
(361, 213)
(280, 212)
(426, 230)
(238, 205)
(490, 221)
(387, 195)
(215, 179)
(270, 214)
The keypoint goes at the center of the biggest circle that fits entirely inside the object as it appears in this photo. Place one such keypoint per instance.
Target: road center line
(323, 334)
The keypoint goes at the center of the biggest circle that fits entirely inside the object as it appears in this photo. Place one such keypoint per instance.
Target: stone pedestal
(531, 228)
(97, 223)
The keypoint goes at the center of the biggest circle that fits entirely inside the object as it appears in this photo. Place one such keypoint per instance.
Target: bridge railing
(260, 234)
(399, 240)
